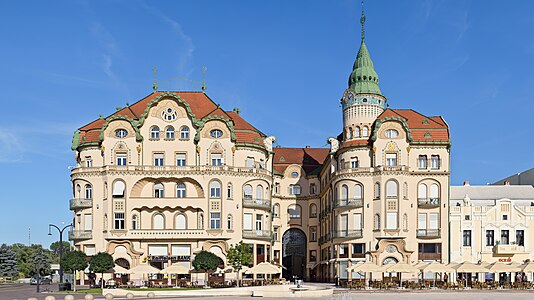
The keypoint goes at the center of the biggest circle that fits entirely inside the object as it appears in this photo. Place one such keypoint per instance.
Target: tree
(101, 263)
(8, 261)
(206, 262)
(74, 261)
(40, 264)
(239, 255)
(54, 248)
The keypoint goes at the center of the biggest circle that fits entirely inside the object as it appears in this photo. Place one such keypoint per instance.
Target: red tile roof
(309, 159)
(201, 106)
(422, 128)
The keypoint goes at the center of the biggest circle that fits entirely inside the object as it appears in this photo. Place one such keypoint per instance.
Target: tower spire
(362, 21)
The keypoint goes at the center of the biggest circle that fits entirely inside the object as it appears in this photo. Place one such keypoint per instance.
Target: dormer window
(392, 133)
(121, 133)
(168, 114)
(216, 133)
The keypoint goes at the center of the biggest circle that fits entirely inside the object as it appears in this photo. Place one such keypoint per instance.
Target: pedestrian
(445, 278)
(518, 277)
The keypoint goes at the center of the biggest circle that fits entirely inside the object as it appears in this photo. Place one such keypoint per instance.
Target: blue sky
(285, 64)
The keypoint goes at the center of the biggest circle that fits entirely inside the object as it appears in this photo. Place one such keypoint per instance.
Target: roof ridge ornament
(362, 21)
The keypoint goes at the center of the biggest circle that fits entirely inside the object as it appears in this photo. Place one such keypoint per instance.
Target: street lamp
(60, 230)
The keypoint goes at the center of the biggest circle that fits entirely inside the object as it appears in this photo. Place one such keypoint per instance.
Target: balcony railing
(172, 169)
(429, 256)
(349, 203)
(256, 234)
(508, 249)
(348, 233)
(428, 233)
(80, 203)
(80, 235)
(325, 238)
(428, 202)
(257, 203)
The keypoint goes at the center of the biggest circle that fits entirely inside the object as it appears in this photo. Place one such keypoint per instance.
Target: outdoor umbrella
(436, 267)
(401, 267)
(264, 268)
(528, 267)
(144, 269)
(365, 267)
(120, 270)
(175, 269)
(469, 267)
(498, 267)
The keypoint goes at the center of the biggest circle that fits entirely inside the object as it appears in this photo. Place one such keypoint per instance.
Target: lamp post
(60, 230)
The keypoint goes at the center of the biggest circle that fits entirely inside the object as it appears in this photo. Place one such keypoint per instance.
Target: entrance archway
(294, 253)
(390, 276)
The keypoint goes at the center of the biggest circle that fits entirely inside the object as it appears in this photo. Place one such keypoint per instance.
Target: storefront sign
(169, 257)
(508, 259)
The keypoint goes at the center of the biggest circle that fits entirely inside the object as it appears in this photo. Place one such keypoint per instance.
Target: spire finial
(362, 21)
(155, 84)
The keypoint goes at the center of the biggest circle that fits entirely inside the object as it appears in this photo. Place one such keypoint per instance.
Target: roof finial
(362, 21)
(155, 84)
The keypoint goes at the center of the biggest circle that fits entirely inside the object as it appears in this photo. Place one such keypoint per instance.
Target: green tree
(206, 262)
(101, 263)
(8, 261)
(74, 261)
(40, 263)
(239, 255)
(54, 249)
(24, 254)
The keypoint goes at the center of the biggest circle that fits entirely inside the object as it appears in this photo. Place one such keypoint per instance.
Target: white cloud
(10, 147)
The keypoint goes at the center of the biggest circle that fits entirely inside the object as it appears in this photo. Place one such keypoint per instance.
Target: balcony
(80, 203)
(348, 234)
(165, 234)
(352, 203)
(257, 203)
(508, 249)
(75, 235)
(325, 238)
(429, 256)
(428, 202)
(257, 234)
(171, 170)
(428, 233)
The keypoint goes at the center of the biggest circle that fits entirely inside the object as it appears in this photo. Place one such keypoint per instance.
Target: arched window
(169, 133)
(134, 222)
(247, 192)
(405, 190)
(180, 190)
(158, 221)
(313, 210)
(88, 191)
(215, 189)
(344, 194)
(154, 132)
(365, 131)
(158, 190)
(358, 195)
(276, 210)
(259, 192)
(118, 189)
(180, 221)
(350, 133)
(377, 190)
(421, 191)
(184, 133)
(434, 193)
(79, 191)
(422, 162)
(229, 223)
(229, 191)
(357, 132)
(377, 222)
(354, 163)
(294, 211)
(405, 222)
(391, 189)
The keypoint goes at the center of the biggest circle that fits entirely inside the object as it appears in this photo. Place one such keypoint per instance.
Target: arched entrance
(294, 253)
(390, 276)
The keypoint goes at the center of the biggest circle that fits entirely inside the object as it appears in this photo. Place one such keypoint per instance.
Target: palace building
(174, 173)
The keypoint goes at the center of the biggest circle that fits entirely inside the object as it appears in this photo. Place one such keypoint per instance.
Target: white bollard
(32, 298)
(69, 297)
(109, 296)
(88, 297)
(129, 296)
(50, 298)
(151, 295)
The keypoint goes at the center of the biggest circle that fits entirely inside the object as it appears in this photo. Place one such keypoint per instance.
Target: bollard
(129, 296)
(109, 296)
(69, 297)
(50, 298)
(88, 297)
(151, 295)
(32, 298)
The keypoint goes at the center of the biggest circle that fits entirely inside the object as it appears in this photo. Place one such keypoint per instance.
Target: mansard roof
(310, 159)
(202, 107)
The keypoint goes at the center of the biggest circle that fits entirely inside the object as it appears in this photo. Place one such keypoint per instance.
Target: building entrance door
(294, 254)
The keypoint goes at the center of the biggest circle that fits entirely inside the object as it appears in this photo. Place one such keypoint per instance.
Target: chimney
(507, 183)
(307, 146)
(466, 183)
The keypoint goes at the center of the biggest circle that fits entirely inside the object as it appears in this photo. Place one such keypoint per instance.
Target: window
(467, 217)
(422, 162)
(405, 222)
(215, 189)
(313, 211)
(119, 221)
(249, 162)
(121, 133)
(294, 189)
(357, 132)
(88, 162)
(134, 222)
(434, 161)
(358, 192)
(391, 189)
(158, 190)
(354, 163)
(247, 192)
(247, 221)
(312, 189)
(520, 237)
(434, 194)
(276, 233)
(229, 223)
(377, 222)
(168, 114)
(357, 221)
(467, 238)
(344, 194)
(180, 221)
(313, 255)
(350, 133)
(276, 210)
(377, 190)
(313, 234)
(392, 133)
(158, 159)
(294, 211)
(88, 191)
(229, 191)
(158, 221)
(216, 133)
(505, 237)
(277, 188)
(180, 190)
(434, 221)
(421, 191)
(180, 160)
(358, 250)
(505, 217)
(259, 192)
(118, 189)
(216, 159)
(365, 131)
(121, 159)
(294, 174)
(169, 133)
(154, 133)
(391, 159)
(215, 220)
(421, 221)
(184, 133)
(391, 221)
(490, 240)
(259, 222)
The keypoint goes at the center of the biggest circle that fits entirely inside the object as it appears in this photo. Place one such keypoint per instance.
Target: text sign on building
(169, 257)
